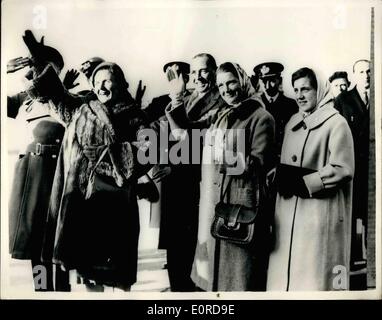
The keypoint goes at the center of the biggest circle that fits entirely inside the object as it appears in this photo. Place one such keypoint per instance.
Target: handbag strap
(102, 155)
(224, 193)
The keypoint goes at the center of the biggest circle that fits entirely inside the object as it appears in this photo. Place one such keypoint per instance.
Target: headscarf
(324, 96)
(324, 99)
(248, 92)
(245, 83)
(216, 137)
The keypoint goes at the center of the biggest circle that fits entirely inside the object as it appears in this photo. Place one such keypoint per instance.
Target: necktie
(270, 100)
(366, 99)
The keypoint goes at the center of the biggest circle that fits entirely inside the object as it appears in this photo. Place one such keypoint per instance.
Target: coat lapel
(203, 105)
(360, 104)
(103, 114)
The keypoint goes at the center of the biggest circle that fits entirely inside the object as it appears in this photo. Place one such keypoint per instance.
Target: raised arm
(47, 86)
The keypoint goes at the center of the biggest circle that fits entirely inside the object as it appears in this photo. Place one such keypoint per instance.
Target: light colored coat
(230, 267)
(313, 234)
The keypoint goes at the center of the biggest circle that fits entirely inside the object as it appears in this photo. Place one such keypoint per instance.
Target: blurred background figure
(86, 69)
(339, 82)
(354, 106)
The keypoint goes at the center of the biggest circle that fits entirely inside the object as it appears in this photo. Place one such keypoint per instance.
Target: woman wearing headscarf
(92, 227)
(244, 130)
(313, 206)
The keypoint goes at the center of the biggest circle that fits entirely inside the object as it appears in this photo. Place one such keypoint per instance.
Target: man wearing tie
(354, 106)
(278, 105)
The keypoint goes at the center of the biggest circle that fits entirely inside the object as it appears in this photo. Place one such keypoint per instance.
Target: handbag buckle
(38, 149)
(232, 221)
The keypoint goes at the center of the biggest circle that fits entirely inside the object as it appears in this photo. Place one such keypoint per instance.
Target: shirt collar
(274, 98)
(361, 92)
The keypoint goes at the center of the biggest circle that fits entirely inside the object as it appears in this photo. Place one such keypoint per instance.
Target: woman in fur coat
(96, 231)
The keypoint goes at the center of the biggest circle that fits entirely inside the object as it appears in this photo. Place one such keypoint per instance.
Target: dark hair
(228, 67)
(305, 72)
(339, 75)
(211, 63)
(360, 60)
(114, 69)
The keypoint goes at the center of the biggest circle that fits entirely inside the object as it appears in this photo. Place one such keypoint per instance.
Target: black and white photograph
(191, 149)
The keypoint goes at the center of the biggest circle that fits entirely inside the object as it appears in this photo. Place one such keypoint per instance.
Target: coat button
(294, 158)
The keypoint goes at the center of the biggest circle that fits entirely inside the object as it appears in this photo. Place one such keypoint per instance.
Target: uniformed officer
(276, 103)
(35, 169)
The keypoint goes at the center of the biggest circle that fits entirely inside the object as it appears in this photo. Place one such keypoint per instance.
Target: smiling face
(338, 85)
(106, 87)
(229, 87)
(202, 75)
(306, 95)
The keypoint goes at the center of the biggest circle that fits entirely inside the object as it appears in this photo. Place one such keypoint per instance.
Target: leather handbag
(234, 223)
(100, 183)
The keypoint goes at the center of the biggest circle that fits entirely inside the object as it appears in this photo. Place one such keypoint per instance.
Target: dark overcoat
(353, 109)
(33, 176)
(282, 109)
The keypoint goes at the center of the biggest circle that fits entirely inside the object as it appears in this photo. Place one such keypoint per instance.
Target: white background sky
(142, 36)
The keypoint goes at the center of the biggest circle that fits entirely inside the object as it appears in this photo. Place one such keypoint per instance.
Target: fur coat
(99, 233)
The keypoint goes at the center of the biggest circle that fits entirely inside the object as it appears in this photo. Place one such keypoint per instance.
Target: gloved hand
(70, 78)
(290, 183)
(160, 171)
(146, 189)
(300, 189)
(16, 64)
(177, 84)
(46, 85)
(139, 93)
(35, 48)
(93, 152)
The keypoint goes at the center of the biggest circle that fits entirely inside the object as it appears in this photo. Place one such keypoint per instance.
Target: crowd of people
(274, 200)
